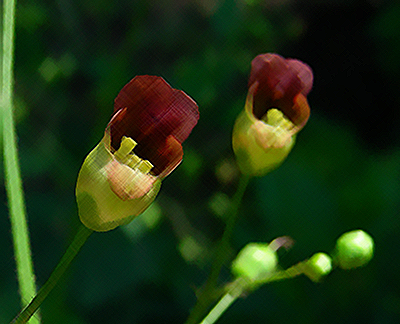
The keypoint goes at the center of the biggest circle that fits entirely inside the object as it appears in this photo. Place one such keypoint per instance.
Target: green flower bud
(255, 261)
(354, 249)
(318, 266)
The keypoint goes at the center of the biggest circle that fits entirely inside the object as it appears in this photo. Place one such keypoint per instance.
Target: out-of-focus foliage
(72, 58)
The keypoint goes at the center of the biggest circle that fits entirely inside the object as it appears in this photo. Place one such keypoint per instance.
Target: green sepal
(100, 209)
(251, 157)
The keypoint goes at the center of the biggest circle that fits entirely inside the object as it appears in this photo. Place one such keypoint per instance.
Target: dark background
(73, 57)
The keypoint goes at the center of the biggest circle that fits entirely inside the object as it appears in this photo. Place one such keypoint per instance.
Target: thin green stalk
(239, 286)
(77, 243)
(207, 294)
(13, 183)
(290, 273)
(225, 302)
(235, 290)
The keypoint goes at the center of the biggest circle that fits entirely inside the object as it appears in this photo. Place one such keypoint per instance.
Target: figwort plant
(142, 144)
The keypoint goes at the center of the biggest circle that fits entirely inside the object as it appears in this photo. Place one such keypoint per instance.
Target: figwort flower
(142, 144)
(276, 109)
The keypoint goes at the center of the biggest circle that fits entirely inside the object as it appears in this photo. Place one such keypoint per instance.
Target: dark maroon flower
(283, 84)
(158, 117)
(276, 110)
(141, 145)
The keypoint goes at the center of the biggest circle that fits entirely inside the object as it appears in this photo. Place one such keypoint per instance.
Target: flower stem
(13, 183)
(234, 291)
(239, 286)
(224, 303)
(77, 243)
(207, 294)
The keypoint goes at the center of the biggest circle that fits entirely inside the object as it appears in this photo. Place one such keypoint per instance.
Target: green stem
(207, 294)
(225, 302)
(289, 273)
(239, 286)
(13, 183)
(77, 243)
(234, 291)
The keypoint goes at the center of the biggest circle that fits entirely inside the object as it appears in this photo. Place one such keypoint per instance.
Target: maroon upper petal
(158, 117)
(280, 82)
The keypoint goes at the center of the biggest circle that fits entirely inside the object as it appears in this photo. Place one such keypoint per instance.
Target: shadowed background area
(72, 59)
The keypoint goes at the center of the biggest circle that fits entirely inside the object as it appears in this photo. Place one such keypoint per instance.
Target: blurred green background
(73, 57)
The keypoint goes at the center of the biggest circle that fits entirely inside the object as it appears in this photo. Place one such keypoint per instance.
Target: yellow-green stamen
(126, 156)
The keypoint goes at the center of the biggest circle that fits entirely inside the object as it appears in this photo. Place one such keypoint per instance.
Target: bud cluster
(258, 262)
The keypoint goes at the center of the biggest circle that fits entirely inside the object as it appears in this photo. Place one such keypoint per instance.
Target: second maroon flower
(276, 109)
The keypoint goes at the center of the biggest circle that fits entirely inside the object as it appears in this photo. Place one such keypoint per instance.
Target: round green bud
(255, 261)
(318, 266)
(354, 249)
